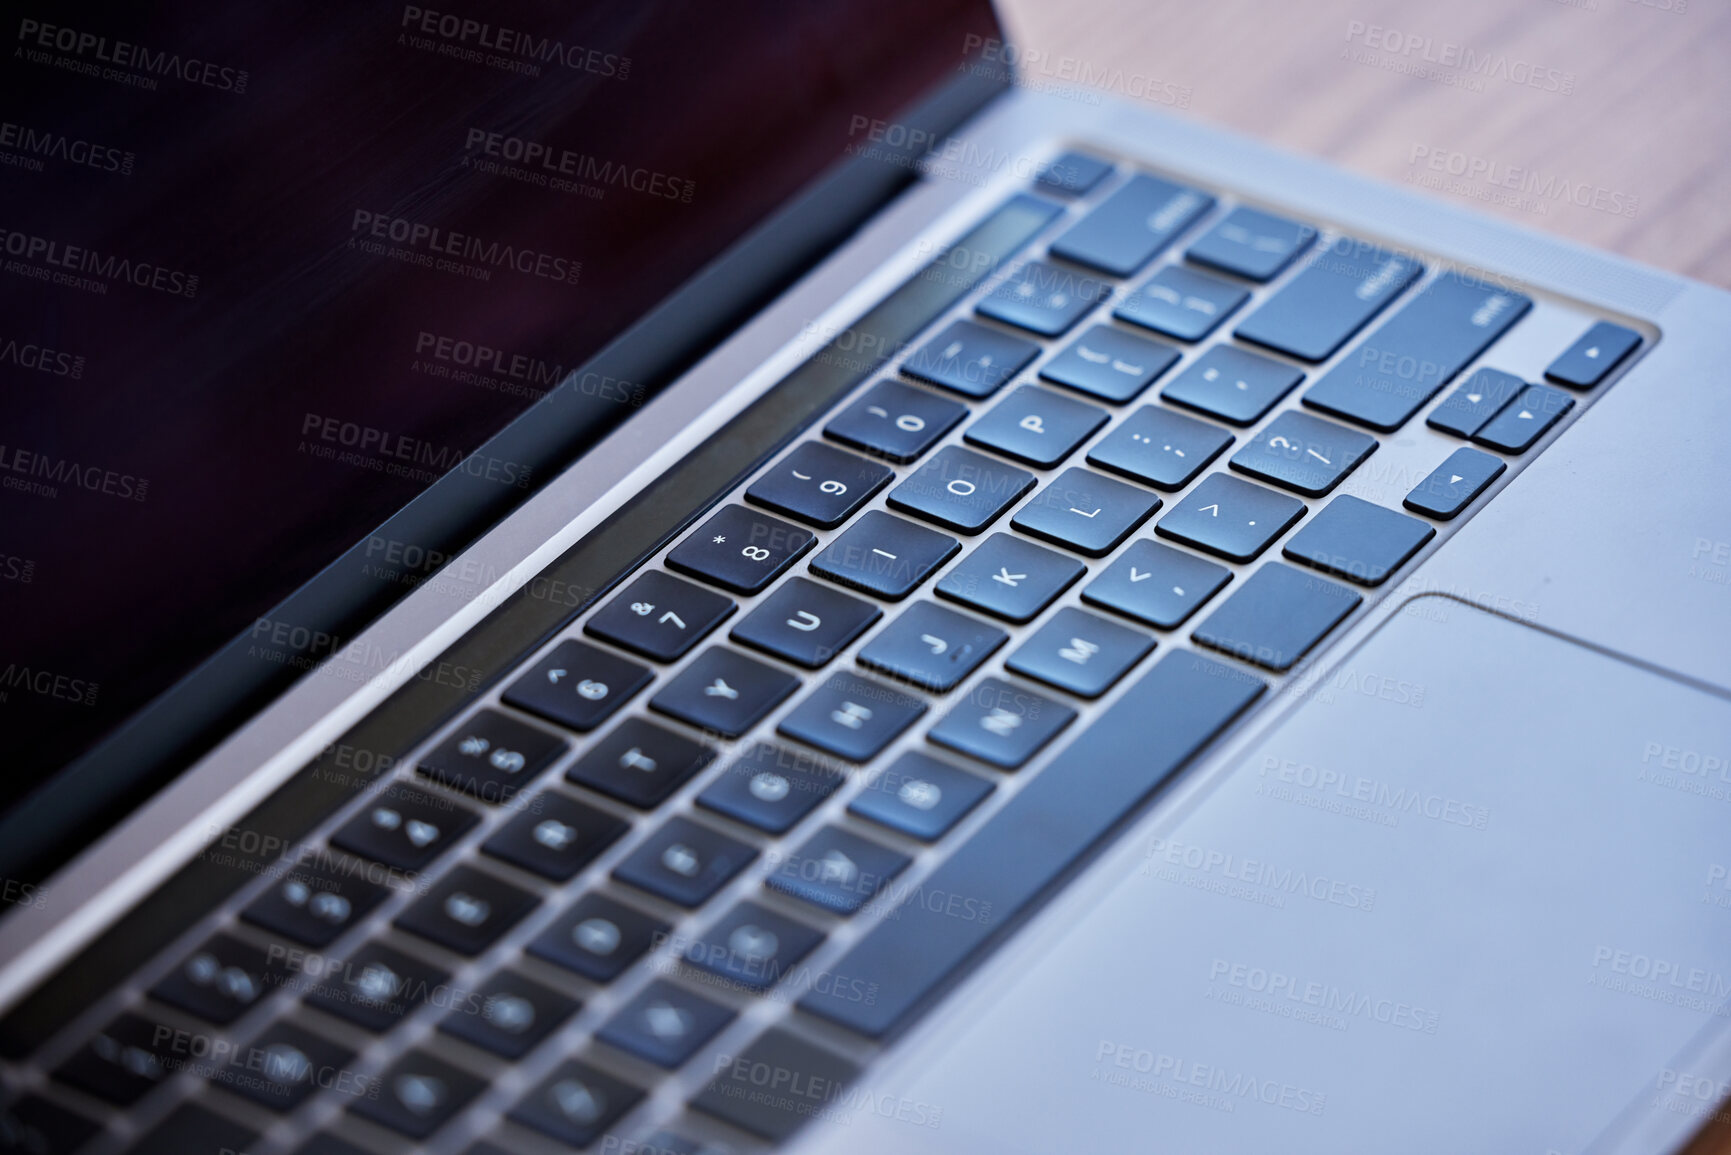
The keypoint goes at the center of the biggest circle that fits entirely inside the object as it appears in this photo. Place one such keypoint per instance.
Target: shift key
(1400, 367)
(1334, 297)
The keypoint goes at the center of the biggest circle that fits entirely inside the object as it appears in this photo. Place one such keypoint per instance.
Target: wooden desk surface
(1641, 138)
(1621, 105)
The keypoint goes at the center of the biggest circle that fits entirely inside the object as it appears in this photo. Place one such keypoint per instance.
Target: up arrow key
(1454, 479)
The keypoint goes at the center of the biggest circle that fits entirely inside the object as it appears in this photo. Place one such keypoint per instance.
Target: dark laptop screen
(271, 270)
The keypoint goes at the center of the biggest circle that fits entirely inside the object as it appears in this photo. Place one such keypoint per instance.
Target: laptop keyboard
(737, 783)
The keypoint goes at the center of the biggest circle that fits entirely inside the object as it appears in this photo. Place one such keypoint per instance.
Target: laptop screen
(271, 271)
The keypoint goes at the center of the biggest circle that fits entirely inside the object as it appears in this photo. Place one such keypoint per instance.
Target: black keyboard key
(127, 1058)
(961, 490)
(1156, 584)
(1230, 518)
(287, 1065)
(1453, 485)
(772, 787)
(684, 863)
(1159, 447)
(578, 685)
(1232, 384)
(1181, 303)
(640, 763)
(1400, 367)
(920, 796)
(189, 1130)
(740, 549)
(1474, 402)
(1073, 173)
(405, 828)
(378, 986)
(314, 906)
(576, 1104)
(221, 980)
(491, 756)
(752, 946)
(1086, 512)
(724, 693)
(1163, 720)
(665, 1025)
(555, 837)
(1335, 296)
(1080, 653)
(735, 1096)
(896, 422)
(420, 1095)
(33, 1125)
(1252, 244)
(598, 938)
(466, 911)
(1044, 299)
(1358, 540)
(1525, 419)
(325, 1144)
(1303, 453)
(819, 485)
(805, 623)
(508, 1015)
(1110, 364)
(1036, 425)
(1131, 225)
(1276, 616)
(1599, 350)
(1001, 724)
(851, 717)
(837, 870)
(883, 555)
(971, 359)
(1010, 578)
(660, 616)
(931, 647)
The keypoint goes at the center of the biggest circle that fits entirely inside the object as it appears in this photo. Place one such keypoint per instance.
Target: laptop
(667, 579)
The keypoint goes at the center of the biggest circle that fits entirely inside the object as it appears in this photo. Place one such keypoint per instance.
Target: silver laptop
(980, 620)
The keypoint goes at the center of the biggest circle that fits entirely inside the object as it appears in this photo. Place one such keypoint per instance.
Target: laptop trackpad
(1471, 896)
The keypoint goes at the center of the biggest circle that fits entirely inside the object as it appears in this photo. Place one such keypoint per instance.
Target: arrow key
(1465, 411)
(837, 870)
(1156, 584)
(1525, 419)
(1454, 484)
(1586, 362)
(1010, 578)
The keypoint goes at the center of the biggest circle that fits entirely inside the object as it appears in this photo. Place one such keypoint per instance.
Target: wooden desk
(1642, 137)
